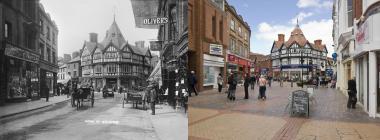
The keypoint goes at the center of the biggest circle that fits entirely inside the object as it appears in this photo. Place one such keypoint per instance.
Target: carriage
(82, 95)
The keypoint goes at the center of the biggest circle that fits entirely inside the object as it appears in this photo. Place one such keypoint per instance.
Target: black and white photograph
(93, 69)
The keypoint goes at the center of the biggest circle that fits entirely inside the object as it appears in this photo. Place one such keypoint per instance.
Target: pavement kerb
(33, 109)
(37, 108)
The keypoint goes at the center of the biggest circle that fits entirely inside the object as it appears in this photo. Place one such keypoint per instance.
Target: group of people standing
(232, 82)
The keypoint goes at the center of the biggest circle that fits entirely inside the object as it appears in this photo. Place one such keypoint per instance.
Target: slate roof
(76, 59)
(114, 36)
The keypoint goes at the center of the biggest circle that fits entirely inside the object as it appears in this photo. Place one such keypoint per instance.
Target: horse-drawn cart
(82, 95)
(136, 97)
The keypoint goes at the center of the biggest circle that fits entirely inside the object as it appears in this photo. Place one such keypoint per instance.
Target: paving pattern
(213, 116)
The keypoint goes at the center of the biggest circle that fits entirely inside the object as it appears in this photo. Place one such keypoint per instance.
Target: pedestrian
(270, 81)
(247, 81)
(192, 81)
(220, 82)
(153, 97)
(253, 81)
(120, 90)
(46, 88)
(232, 87)
(262, 89)
(351, 103)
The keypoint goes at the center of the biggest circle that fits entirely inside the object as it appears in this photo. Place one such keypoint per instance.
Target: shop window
(209, 75)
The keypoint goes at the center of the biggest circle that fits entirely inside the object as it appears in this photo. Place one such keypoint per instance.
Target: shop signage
(300, 103)
(155, 21)
(155, 45)
(362, 34)
(216, 49)
(15, 52)
(231, 58)
(144, 12)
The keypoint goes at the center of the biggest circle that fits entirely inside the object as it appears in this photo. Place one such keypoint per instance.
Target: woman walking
(262, 89)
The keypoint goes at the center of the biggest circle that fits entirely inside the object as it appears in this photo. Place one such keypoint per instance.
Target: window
(209, 75)
(232, 25)
(221, 30)
(214, 26)
(172, 23)
(48, 33)
(232, 45)
(75, 73)
(54, 40)
(246, 36)
(219, 4)
(42, 26)
(53, 57)
(48, 54)
(239, 30)
(349, 13)
(8, 30)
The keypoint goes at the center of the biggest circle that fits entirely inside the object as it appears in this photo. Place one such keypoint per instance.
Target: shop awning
(156, 74)
(64, 81)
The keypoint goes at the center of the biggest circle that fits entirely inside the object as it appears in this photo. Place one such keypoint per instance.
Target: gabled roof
(299, 38)
(137, 50)
(114, 36)
(76, 59)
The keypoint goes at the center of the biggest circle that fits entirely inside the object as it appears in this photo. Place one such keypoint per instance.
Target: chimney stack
(318, 42)
(281, 37)
(94, 37)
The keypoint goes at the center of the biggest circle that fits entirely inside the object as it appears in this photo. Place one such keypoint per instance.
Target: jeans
(220, 88)
(262, 91)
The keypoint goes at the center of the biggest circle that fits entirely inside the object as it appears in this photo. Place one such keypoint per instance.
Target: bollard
(291, 83)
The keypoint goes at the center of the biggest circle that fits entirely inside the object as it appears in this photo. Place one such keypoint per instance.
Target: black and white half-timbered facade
(114, 62)
(297, 57)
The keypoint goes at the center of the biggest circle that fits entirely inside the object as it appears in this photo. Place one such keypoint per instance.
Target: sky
(267, 18)
(77, 18)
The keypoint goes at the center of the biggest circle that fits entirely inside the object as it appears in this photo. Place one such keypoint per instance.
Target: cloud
(267, 33)
(300, 17)
(314, 4)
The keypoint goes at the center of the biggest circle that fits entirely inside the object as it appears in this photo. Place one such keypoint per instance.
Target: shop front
(21, 74)
(48, 77)
(367, 59)
(213, 66)
(240, 65)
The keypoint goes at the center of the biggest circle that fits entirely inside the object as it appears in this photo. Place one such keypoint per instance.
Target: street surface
(213, 117)
(107, 120)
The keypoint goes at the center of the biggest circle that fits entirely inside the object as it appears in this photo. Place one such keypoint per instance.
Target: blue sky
(268, 18)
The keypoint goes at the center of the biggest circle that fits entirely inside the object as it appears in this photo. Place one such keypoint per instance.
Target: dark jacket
(253, 79)
(192, 79)
(247, 81)
(232, 82)
(351, 87)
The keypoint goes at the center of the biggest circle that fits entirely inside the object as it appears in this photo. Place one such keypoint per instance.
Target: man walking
(192, 81)
(253, 81)
(351, 94)
(232, 87)
(247, 81)
(262, 89)
(220, 82)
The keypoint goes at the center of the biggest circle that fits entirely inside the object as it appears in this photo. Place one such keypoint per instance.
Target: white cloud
(300, 17)
(316, 29)
(314, 3)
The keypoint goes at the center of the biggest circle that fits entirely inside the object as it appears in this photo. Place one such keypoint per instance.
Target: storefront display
(23, 79)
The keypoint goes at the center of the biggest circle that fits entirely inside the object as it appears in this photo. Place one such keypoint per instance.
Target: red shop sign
(231, 58)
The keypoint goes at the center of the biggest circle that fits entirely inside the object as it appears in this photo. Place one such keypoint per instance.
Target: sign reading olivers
(154, 21)
(300, 103)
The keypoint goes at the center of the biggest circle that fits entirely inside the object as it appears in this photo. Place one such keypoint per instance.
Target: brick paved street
(213, 116)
